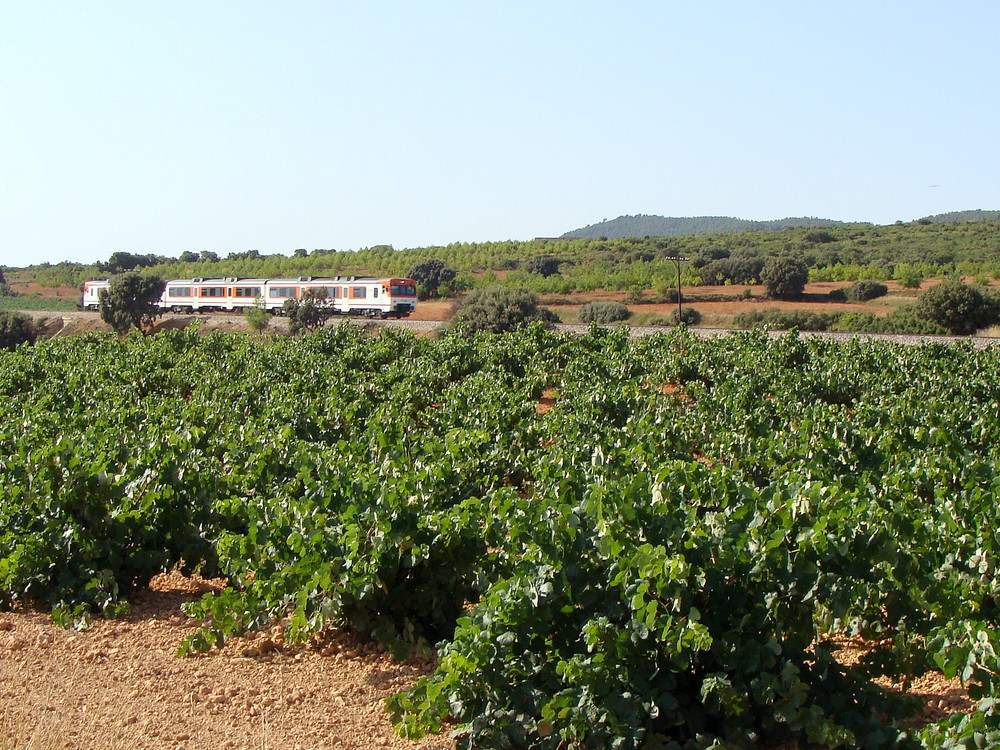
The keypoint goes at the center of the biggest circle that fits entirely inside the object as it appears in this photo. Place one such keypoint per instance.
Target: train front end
(402, 295)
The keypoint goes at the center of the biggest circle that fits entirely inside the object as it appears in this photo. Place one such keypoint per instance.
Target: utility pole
(677, 260)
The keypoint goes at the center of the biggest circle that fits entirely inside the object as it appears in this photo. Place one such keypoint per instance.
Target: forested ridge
(846, 252)
(644, 225)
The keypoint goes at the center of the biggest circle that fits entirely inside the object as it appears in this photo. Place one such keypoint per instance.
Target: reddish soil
(119, 684)
(62, 291)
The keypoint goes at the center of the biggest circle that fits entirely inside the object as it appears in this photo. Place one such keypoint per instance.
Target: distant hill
(666, 226)
(977, 215)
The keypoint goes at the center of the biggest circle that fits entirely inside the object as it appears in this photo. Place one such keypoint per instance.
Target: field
(655, 543)
(717, 305)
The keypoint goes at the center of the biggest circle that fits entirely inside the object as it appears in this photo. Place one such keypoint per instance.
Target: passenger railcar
(347, 295)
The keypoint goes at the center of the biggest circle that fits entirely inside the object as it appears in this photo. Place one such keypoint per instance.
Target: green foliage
(664, 226)
(544, 265)
(35, 302)
(257, 318)
(857, 252)
(820, 237)
(957, 307)
(862, 291)
(687, 315)
(908, 276)
(431, 274)
(603, 311)
(15, 329)
(498, 310)
(732, 270)
(785, 278)
(665, 558)
(804, 320)
(131, 301)
(121, 262)
(309, 313)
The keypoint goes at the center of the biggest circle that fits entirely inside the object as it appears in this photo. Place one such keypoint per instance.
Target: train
(347, 295)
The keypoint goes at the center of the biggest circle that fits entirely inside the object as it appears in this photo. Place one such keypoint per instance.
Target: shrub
(907, 276)
(859, 322)
(786, 319)
(959, 308)
(15, 329)
(257, 318)
(862, 291)
(636, 294)
(906, 320)
(785, 278)
(687, 315)
(499, 309)
(603, 312)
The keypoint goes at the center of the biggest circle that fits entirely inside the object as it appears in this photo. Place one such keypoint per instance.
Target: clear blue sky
(189, 125)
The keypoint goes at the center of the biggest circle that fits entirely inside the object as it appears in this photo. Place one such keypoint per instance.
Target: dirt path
(120, 684)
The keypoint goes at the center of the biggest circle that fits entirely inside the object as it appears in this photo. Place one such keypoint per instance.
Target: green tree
(784, 277)
(908, 276)
(309, 313)
(121, 262)
(499, 309)
(864, 290)
(131, 300)
(546, 265)
(256, 317)
(960, 308)
(15, 329)
(430, 275)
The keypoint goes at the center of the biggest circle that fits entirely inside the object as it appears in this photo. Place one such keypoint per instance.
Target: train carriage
(346, 295)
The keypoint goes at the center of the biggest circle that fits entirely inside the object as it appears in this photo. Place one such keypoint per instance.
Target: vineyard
(610, 542)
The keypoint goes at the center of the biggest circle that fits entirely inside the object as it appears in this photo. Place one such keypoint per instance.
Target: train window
(359, 292)
(319, 292)
(375, 291)
(403, 290)
(213, 291)
(179, 291)
(281, 291)
(247, 291)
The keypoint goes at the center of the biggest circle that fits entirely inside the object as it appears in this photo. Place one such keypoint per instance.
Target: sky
(185, 125)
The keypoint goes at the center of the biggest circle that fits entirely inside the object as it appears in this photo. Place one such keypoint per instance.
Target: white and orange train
(348, 295)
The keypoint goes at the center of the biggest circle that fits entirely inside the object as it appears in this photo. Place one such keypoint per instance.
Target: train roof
(296, 280)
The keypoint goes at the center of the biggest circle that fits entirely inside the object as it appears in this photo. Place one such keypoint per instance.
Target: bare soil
(120, 684)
